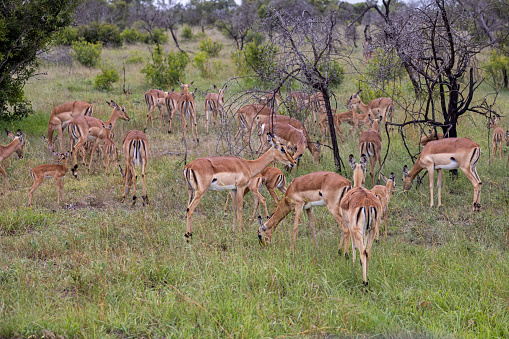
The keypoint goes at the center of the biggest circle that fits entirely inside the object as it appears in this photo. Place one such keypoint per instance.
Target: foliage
(131, 35)
(134, 58)
(334, 71)
(107, 34)
(87, 53)
(157, 36)
(187, 32)
(66, 36)
(212, 48)
(104, 80)
(254, 36)
(207, 68)
(260, 58)
(163, 71)
(498, 67)
(26, 28)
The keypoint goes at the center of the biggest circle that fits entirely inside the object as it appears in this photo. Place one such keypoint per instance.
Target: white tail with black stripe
(136, 149)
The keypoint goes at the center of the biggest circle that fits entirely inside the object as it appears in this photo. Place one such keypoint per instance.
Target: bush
(66, 36)
(201, 61)
(131, 36)
(498, 67)
(107, 34)
(212, 48)
(104, 80)
(256, 37)
(260, 59)
(334, 71)
(86, 53)
(158, 36)
(164, 72)
(187, 32)
(134, 58)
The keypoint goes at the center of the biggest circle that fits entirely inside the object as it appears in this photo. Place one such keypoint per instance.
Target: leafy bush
(104, 80)
(134, 58)
(19, 110)
(187, 32)
(212, 48)
(260, 58)
(334, 71)
(107, 34)
(201, 61)
(158, 36)
(498, 67)
(256, 37)
(86, 53)
(131, 36)
(66, 36)
(164, 72)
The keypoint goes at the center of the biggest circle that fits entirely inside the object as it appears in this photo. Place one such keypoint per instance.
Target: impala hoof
(134, 200)
(188, 236)
(365, 283)
(347, 256)
(145, 200)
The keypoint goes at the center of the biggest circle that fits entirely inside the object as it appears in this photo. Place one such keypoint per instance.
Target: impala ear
(364, 162)
(215, 87)
(392, 177)
(351, 161)
(405, 171)
(111, 126)
(180, 83)
(104, 127)
(384, 178)
(56, 153)
(190, 84)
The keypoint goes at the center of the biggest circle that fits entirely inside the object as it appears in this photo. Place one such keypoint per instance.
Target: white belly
(314, 203)
(450, 166)
(216, 187)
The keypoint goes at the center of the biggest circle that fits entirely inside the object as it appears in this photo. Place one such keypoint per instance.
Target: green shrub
(334, 71)
(201, 61)
(134, 58)
(212, 48)
(187, 32)
(66, 36)
(86, 53)
(104, 80)
(260, 58)
(158, 36)
(256, 37)
(107, 34)
(163, 72)
(131, 36)
(497, 67)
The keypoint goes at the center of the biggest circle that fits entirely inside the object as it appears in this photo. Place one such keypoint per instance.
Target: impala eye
(283, 150)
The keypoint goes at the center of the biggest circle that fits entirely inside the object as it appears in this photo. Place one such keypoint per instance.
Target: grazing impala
(85, 128)
(383, 107)
(62, 115)
(313, 189)
(16, 145)
(370, 143)
(218, 173)
(362, 211)
(448, 153)
(292, 137)
(214, 104)
(136, 149)
(498, 137)
(155, 98)
(383, 193)
(57, 171)
(249, 116)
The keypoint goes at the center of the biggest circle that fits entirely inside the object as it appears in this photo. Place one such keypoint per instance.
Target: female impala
(305, 192)
(214, 104)
(57, 171)
(218, 173)
(136, 148)
(370, 144)
(155, 98)
(448, 153)
(383, 107)
(383, 193)
(187, 107)
(498, 137)
(16, 145)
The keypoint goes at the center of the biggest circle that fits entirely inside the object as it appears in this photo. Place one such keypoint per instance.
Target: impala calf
(172, 100)
(16, 145)
(57, 171)
(383, 107)
(448, 154)
(383, 193)
(186, 107)
(155, 98)
(136, 149)
(214, 104)
(227, 173)
(498, 137)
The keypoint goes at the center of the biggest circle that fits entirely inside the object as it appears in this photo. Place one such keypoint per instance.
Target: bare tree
(239, 22)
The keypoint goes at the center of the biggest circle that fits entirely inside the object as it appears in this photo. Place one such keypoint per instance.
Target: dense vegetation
(101, 268)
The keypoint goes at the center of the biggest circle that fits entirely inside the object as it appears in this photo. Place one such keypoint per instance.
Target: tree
(20, 43)
(238, 23)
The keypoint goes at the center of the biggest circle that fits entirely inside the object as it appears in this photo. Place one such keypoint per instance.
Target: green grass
(108, 270)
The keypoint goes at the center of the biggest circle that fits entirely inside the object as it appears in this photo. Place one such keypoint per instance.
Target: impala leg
(190, 210)
(96, 143)
(238, 199)
(500, 148)
(193, 117)
(4, 174)
(439, 186)
(161, 115)
(357, 238)
(472, 175)
(59, 190)
(272, 192)
(298, 212)
(37, 182)
(134, 178)
(75, 151)
(184, 125)
(149, 116)
(226, 203)
(345, 234)
(60, 136)
(143, 178)
(431, 173)
(171, 112)
(311, 217)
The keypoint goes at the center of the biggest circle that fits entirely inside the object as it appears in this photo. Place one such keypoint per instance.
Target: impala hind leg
(143, 178)
(4, 175)
(194, 199)
(311, 217)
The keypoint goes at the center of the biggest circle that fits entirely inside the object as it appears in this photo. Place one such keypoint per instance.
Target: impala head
(354, 100)
(19, 147)
(391, 182)
(493, 123)
(51, 143)
(279, 150)
(264, 234)
(109, 131)
(220, 92)
(359, 170)
(118, 111)
(507, 138)
(375, 123)
(184, 88)
(407, 182)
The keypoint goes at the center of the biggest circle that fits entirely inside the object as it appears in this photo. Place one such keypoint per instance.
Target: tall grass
(101, 268)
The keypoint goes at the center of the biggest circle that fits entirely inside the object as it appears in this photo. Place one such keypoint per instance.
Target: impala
(383, 107)
(110, 149)
(324, 127)
(370, 143)
(186, 107)
(430, 137)
(172, 100)
(84, 128)
(221, 173)
(287, 134)
(62, 115)
(498, 137)
(249, 116)
(155, 98)
(383, 193)
(283, 119)
(57, 171)
(362, 211)
(16, 145)
(313, 189)
(298, 101)
(136, 149)
(214, 104)
(317, 103)
(448, 153)
(271, 99)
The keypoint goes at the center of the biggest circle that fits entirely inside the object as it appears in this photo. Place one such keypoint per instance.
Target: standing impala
(214, 104)
(383, 107)
(155, 98)
(187, 107)
(86, 128)
(448, 153)
(62, 115)
(370, 144)
(498, 137)
(16, 145)
(231, 173)
(305, 192)
(57, 171)
(172, 100)
(383, 193)
(136, 148)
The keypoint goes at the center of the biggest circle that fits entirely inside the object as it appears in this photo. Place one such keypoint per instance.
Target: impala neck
(282, 210)
(113, 119)
(416, 169)
(258, 165)
(362, 107)
(7, 150)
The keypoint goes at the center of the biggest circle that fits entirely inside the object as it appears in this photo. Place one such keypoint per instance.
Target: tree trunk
(335, 150)
(175, 39)
(506, 79)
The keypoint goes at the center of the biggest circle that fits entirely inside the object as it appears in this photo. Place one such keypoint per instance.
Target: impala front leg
(439, 187)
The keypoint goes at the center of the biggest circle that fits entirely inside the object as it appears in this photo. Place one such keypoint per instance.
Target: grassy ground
(105, 269)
